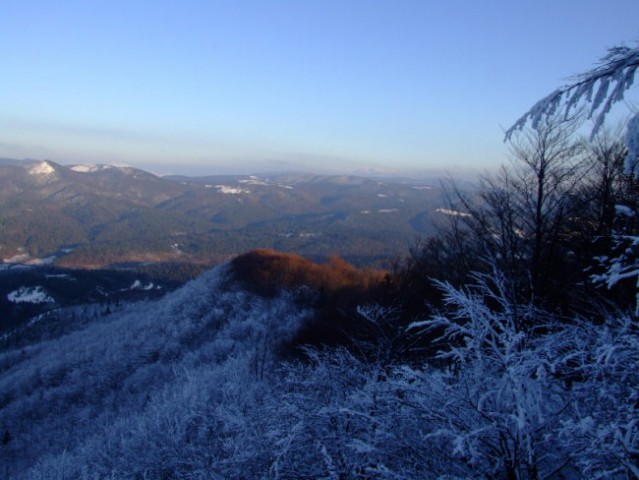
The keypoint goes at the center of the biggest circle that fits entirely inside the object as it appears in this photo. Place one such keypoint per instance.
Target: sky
(212, 86)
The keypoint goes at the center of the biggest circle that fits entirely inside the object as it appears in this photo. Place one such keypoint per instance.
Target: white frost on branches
(623, 264)
(600, 87)
(558, 401)
(632, 142)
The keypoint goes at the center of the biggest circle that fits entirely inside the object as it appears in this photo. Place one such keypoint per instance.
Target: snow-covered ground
(227, 190)
(452, 213)
(30, 295)
(89, 168)
(42, 168)
(138, 285)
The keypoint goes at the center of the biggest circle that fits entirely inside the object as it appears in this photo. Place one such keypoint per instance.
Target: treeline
(544, 222)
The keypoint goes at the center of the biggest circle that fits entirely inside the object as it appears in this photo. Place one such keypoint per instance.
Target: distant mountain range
(96, 216)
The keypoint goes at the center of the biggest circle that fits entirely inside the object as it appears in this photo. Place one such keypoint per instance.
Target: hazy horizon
(273, 168)
(331, 86)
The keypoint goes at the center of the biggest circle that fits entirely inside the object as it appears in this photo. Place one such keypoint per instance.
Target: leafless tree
(520, 218)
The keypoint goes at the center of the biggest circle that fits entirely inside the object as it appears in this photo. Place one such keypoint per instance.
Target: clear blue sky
(316, 85)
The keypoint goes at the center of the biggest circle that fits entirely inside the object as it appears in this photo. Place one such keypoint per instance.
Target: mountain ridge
(93, 216)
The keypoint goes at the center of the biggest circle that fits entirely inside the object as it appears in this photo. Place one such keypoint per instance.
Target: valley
(100, 235)
(101, 216)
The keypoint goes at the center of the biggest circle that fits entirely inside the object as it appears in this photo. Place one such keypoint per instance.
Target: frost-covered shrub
(559, 399)
(602, 424)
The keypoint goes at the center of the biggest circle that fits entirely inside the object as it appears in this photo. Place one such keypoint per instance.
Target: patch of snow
(42, 261)
(624, 211)
(26, 259)
(83, 168)
(365, 212)
(422, 187)
(382, 195)
(253, 181)
(90, 168)
(225, 189)
(632, 142)
(19, 258)
(30, 295)
(103, 292)
(42, 168)
(452, 213)
(388, 210)
(137, 285)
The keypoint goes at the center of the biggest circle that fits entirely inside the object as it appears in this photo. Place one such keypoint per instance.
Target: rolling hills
(97, 216)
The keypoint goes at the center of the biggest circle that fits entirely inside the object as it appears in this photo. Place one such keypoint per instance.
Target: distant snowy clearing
(230, 190)
(89, 168)
(26, 259)
(257, 181)
(30, 295)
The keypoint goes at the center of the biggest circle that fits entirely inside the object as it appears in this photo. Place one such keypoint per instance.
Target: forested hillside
(97, 216)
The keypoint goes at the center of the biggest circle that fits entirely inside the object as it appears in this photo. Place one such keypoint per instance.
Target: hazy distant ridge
(98, 215)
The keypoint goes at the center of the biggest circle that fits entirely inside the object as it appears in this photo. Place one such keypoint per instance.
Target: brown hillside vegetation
(336, 288)
(268, 271)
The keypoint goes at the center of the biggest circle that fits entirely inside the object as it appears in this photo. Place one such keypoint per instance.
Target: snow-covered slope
(74, 396)
(192, 387)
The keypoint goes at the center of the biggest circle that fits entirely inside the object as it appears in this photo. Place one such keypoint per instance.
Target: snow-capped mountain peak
(42, 168)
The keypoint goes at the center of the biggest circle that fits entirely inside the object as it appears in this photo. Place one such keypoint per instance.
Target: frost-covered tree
(605, 185)
(522, 217)
(599, 89)
(529, 203)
